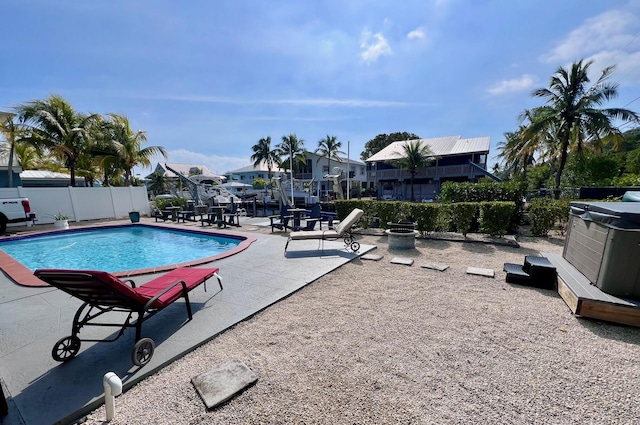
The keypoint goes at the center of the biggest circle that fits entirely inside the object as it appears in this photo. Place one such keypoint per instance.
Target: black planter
(134, 216)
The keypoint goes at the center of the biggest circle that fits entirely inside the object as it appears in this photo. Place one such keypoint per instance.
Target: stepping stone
(374, 257)
(402, 261)
(223, 382)
(435, 266)
(481, 272)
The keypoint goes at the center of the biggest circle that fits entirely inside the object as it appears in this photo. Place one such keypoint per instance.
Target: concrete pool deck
(42, 391)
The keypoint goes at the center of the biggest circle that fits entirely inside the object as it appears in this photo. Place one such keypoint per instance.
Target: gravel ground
(374, 343)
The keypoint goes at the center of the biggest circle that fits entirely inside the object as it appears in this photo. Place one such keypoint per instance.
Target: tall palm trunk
(10, 165)
(328, 173)
(563, 161)
(413, 174)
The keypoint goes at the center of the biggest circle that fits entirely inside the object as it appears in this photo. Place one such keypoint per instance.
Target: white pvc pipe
(112, 387)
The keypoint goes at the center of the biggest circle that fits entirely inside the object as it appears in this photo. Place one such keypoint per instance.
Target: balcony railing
(431, 172)
(303, 176)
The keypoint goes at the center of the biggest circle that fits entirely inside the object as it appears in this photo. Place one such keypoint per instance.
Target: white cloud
(319, 102)
(373, 46)
(606, 32)
(416, 33)
(525, 82)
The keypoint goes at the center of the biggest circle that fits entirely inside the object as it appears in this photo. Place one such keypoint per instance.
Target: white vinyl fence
(81, 203)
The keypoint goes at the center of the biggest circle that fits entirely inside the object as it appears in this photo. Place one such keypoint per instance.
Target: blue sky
(208, 79)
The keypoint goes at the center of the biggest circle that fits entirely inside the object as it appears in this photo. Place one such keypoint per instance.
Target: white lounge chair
(340, 231)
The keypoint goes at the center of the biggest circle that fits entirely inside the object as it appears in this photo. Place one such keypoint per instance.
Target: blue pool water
(116, 248)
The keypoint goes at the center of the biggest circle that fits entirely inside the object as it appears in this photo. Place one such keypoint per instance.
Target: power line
(631, 102)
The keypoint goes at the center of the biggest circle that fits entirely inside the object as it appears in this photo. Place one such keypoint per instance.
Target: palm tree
(13, 133)
(514, 154)
(127, 145)
(158, 183)
(291, 152)
(28, 157)
(262, 152)
(329, 148)
(56, 126)
(88, 168)
(573, 108)
(416, 156)
(519, 147)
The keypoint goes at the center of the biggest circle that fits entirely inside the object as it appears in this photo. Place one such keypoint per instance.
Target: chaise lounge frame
(343, 231)
(104, 293)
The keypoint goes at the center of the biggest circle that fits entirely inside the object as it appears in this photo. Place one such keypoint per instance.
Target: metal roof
(43, 174)
(439, 146)
(261, 167)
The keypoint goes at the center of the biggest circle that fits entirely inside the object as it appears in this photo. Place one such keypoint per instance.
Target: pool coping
(23, 276)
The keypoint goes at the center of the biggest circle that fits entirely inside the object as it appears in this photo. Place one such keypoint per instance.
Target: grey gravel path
(378, 343)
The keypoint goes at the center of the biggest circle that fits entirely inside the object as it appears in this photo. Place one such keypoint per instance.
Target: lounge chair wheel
(348, 240)
(66, 348)
(355, 246)
(143, 351)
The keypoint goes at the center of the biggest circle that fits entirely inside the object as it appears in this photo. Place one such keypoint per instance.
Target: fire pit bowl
(401, 235)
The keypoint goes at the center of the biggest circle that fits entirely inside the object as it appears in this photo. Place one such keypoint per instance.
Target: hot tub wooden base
(586, 300)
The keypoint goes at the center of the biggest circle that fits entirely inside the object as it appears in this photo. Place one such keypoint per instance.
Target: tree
(590, 168)
(13, 132)
(158, 183)
(127, 145)
(56, 126)
(573, 108)
(28, 157)
(262, 152)
(519, 148)
(329, 148)
(291, 152)
(416, 156)
(517, 153)
(381, 141)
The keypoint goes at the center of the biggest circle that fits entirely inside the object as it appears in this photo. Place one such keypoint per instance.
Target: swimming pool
(123, 250)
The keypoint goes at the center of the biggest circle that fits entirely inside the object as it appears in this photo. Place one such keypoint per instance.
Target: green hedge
(462, 215)
(486, 191)
(547, 214)
(493, 217)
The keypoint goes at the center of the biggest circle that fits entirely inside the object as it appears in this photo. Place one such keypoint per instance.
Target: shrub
(462, 216)
(495, 217)
(176, 202)
(425, 216)
(487, 191)
(546, 214)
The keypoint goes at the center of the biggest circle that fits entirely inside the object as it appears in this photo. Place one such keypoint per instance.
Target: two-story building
(452, 159)
(313, 170)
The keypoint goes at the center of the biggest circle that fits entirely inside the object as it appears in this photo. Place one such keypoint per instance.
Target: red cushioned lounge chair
(103, 293)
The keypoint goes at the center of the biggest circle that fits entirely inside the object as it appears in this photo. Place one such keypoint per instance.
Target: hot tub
(603, 243)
